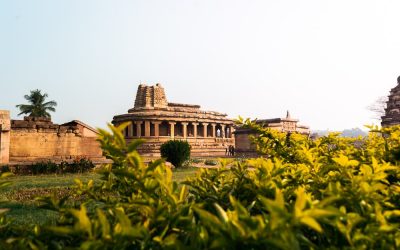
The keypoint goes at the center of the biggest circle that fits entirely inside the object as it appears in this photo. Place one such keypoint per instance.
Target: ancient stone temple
(243, 143)
(156, 120)
(392, 110)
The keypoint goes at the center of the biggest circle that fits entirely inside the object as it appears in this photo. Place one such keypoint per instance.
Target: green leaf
(311, 222)
(133, 145)
(221, 213)
(301, 200)
(105, 226)
(208, 218)
(83, 222)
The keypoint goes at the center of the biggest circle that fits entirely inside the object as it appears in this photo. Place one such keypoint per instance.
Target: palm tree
(37, 106)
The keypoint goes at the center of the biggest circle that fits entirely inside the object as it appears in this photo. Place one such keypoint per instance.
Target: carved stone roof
(392, 110)
(151, 104)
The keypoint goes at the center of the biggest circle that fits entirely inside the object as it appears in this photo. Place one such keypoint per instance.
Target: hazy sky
(325, 61)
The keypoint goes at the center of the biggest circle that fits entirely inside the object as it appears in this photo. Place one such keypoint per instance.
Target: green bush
(197, 160)
(77, 166)
(187, 164)
(211, 162)
(4, 169)
(176, 152)
(80, 165)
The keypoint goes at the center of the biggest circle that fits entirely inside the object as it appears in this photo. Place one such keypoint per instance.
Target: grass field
(20, 196)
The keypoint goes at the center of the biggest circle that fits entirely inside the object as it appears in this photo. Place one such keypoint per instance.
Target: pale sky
(325, 61)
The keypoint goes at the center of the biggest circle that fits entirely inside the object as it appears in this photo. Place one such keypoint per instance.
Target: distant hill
(354, 132)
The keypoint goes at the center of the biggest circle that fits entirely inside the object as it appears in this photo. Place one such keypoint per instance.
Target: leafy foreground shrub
(326, 194)
(176, 152)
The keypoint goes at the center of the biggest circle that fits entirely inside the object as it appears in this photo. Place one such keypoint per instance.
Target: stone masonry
(4, 136)
(38, 139)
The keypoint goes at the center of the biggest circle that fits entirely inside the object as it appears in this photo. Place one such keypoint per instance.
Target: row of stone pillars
(182, 129)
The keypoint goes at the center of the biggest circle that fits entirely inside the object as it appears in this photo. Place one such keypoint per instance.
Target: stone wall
(243, 145)
(4, 136)
(38, 139)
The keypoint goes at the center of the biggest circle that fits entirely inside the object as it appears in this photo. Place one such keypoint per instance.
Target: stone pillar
(205, 125)
(172, 124)
(232, 132)
(184, 124)
(5, 127)
(130, 130)
(138, 128)
(223, 130)
(147, 128)
(213, 130)
(156, 128)
(195, 124)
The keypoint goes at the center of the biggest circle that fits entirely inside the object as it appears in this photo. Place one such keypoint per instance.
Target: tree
(176, 152)
(37, 106)
(378, 107)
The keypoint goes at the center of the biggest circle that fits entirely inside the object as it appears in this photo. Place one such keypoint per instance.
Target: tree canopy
(37, 106)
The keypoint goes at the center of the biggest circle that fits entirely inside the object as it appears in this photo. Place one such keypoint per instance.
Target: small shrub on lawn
(188, 163)
(48, 167)
(4, 169)
(176, 152)
(197, 160)
(43, 168)
(210, 162)
(77, 166)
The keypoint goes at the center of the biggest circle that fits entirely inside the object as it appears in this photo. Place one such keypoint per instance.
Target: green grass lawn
(20, 196)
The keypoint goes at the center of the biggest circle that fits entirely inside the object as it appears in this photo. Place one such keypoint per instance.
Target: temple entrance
(190, 130)
(152, 130)
(200, 130)
(179, 129)
(164, 129)
(219, 130)
(142, 129)
(134, 129)
(209, 131)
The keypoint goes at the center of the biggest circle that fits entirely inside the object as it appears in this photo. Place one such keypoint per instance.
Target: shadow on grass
(27, 215)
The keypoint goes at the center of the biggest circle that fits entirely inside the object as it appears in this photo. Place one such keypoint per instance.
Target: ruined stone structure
(4, 136)
(38, 139)
(392, 110)
(288, 125)
(156, 120)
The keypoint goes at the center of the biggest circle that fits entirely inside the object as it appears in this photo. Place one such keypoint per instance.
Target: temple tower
(5, 128)
(148, 97)
(392, 110)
